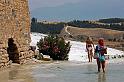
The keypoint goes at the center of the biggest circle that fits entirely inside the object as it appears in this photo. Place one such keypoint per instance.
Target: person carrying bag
(99, 54)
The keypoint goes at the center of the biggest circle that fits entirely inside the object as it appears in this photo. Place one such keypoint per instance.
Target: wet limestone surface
(62, 72)
(77, 72)
(16, 73)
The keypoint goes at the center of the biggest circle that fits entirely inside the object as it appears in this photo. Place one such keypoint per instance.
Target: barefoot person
(101, 50)
(89, 47)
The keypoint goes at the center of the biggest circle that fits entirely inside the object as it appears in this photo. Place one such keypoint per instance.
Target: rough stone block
(15, 24)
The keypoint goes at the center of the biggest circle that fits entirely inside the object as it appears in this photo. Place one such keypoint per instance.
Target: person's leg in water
(91, 55)
(88, 54)
(103, 66)
(98, 64)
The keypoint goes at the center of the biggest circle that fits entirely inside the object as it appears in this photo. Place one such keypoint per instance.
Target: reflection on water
(101, 77)
(63, 72)
(16, 74)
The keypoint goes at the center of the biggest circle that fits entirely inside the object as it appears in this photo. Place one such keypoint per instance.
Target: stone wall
(14, 24)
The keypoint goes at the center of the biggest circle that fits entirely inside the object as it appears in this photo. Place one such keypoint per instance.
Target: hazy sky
(76, 9)
(49, 3)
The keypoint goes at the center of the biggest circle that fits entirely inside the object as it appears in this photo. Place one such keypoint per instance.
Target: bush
(55, 47)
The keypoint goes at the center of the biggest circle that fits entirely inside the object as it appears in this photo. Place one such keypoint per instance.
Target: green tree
(55, 47)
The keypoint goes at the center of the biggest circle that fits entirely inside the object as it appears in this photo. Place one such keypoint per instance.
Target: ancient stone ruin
(14, 32)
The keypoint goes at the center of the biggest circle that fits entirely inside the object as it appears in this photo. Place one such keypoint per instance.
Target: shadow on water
(90, 73)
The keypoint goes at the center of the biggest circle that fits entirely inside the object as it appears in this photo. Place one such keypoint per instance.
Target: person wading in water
(89, 48)
(101, 49)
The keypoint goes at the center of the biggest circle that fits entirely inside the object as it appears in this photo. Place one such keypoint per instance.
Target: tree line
(112, 20)
(46, 28)
(55, 28)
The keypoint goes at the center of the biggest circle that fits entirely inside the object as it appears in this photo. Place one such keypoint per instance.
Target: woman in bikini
(89, 47)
